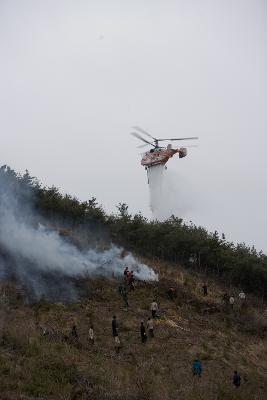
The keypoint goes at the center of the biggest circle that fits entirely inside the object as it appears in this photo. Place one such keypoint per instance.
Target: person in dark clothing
(120, 288)
(205, 289)
(74, 333)
(131, 280)
(236, 379)
(172, 293)
(225, 298)
(125, 273)
(143, 332)
(197, 368)
(114, 326)
(125, 298)
(124, 294)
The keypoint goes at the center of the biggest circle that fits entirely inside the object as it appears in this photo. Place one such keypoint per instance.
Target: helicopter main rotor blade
(140, 138)
(186, 138)
(143, 131)
(142, 145)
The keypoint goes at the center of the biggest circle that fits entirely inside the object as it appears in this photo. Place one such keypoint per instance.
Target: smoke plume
(42, 260)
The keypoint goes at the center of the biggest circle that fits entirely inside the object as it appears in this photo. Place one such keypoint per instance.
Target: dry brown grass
(32, 366)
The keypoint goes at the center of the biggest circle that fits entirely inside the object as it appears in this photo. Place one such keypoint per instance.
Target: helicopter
(158, 155)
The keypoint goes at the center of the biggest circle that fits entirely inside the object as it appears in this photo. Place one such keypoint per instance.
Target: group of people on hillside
(147, 329)
(227, 299)
(197, 371)
(196, 366)
(75, 337)
(230, 300)
(143, 329)
(150, 323)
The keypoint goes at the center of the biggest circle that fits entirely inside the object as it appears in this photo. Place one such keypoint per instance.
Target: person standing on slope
(236, 379)
(114, 326)
(117, 344)
(172, 293)
(143, 332)
(125, 298)
(150, 327)
(74, 332)
(205, 289)
(154, 309)
(197, 368)
(242, 298)
(91, 335)
(232, 302)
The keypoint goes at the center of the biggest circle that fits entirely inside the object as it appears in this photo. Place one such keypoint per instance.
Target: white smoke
(48, 251)
(38, 252)
(169, 194)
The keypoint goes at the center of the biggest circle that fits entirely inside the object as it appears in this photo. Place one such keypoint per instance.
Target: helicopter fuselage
(161, 155)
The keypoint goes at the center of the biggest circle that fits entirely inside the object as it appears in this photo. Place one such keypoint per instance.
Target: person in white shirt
(242, 295)
(117, 344)
(242, 298)
(91, 335)
(232, 302)
(154, 309)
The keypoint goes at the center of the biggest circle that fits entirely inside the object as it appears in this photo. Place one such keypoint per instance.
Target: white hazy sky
(76, 75)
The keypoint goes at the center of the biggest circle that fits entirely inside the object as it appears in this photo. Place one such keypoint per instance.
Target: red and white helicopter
(158, 155)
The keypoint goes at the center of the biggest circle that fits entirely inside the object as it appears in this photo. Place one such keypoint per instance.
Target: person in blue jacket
(197, 368)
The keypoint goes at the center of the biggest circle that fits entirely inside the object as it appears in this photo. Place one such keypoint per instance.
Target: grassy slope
(32, 366)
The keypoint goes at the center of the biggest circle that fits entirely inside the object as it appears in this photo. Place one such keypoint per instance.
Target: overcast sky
(75, 76)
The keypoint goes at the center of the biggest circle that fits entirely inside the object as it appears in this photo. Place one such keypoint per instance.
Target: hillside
(24, 200)
(51, 366)
(61, 264)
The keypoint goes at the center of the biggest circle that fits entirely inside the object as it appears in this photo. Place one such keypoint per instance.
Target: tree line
(172, 240)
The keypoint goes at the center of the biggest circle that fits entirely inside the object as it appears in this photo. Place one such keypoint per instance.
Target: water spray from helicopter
(154, 161)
